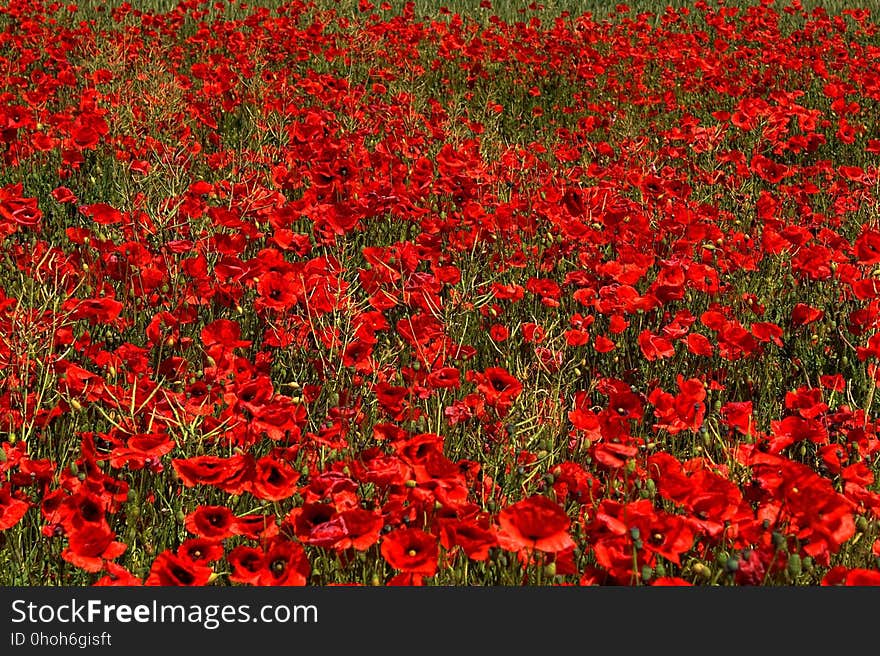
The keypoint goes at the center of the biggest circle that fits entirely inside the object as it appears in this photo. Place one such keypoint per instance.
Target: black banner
(338, 619)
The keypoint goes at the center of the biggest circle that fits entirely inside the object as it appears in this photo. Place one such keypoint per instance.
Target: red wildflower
(169, 569)
(12, 509)
(411, 551)
(535, 523)
(90, 546)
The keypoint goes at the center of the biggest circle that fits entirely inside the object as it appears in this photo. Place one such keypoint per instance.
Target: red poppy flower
(90, 546)
(247, 564)
(200, 550)
(169, 569)
(840, 575)
(274, 480)
(255, 526)
(411, 551)
(655, 347)
(12, 509)
(444, 378)
(232, 475)
(802, 314)
(498, 387)
(213, 522)
(475, 536)
(286, 564)
(117, 575)
(535, 523)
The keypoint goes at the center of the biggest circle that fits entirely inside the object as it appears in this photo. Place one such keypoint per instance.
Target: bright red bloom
(475, 536)
(90, 546)
(274, 480)
(411, 551)
(12, 509)
(498, 387)
(840, 575)
(535, 523)
(170, 569)
(117, 575)
(232, 475)
(282, 563)
(213, 522)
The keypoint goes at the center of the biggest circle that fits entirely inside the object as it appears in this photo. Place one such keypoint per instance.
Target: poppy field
(363, 293)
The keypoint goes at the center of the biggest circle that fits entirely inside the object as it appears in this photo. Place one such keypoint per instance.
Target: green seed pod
(862, 523)
(779, 541)
(550, 570)
(647, 573)
(702, 571)
(660, 569)
(794, 565)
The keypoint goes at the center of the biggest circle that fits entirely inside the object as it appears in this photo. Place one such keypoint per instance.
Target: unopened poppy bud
(2, 455)
(702, 571)
(862, 523)
(410, 483)
(213, 577)
(75, 404)
(779, 541)
(550, 569)
(794, 565)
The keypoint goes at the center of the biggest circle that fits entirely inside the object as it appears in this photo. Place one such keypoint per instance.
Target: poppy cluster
(324, 295)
